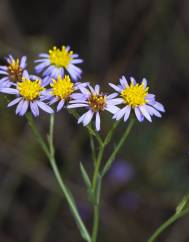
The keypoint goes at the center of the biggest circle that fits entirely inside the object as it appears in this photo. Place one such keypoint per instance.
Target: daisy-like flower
(62, 90)
(28, 91)
(12, 71)
(136, 96)
(95, 102)
(56, 62)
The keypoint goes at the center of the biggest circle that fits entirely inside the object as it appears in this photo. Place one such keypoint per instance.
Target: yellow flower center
(60, 57)
(97, 102)
(30, 90)
(62, 88)
(15, 71)
(134, 95)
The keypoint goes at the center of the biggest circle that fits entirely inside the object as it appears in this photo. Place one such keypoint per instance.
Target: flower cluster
(59, 84)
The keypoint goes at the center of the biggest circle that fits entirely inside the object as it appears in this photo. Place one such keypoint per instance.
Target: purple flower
(95, 102)
(12, 71)
(28, 92)
(61, 91)
(136, 96)
(56, 62)
(121, 172)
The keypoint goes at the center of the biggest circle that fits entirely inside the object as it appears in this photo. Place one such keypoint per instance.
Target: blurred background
(140, 38)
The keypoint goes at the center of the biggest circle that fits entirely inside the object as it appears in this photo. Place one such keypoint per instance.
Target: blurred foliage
(132, 37)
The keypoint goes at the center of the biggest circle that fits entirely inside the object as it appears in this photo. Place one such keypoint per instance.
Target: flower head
(28, 93)
(95, 102)
(56, 62)
(61, 91)
(136, 96)
(12, 71)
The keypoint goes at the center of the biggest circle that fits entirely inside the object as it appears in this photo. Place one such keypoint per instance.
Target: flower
(61, 91)
(136, 96)
(28, 92)
(12, 71)
(54, 63)
(95, 101)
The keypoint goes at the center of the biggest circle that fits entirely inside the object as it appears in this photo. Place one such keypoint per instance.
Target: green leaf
(85, 176)
(183, 204)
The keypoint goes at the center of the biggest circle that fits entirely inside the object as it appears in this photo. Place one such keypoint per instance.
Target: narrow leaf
(85, 176)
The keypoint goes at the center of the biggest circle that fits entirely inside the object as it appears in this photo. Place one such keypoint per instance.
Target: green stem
(117, 148)
(169, 222)
(95, 223)
(92, 148)
(49, 151)
(97, 166)
(96, 186)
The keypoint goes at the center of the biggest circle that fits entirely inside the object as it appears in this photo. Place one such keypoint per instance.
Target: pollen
(60, 57)
(30, 90)
(97, 102)
(62, 88)
(134, 95)
(15, 71)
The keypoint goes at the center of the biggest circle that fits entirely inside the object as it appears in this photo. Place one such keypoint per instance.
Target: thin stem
(49, 151)
(97, 181)
(110, 133)
(37, 135)
(96, 187)
(97, 166)
(169, 222)
(92, 148)
(95, 223)
(117, 148)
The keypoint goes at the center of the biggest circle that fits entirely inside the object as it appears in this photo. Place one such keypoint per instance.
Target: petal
(124, 82)
(41, 66)
(127, 113)
(4, 68)
(97, 89)
(118, 89)
(26, 74)
(45, 107)
(115, 101)
(53, 100)
(3, 72)
(9, 90)
(76, 61)
(153, 111)
(88, 117)
(34, 108)
(23, 62)
(97, 122)
(15, 101)
(120, 113)
(77, 105)
(44, 55)
(144, 82)
(145, 112)
(138, 114)
(46, 81)
(159, 107)
(113, 95)
(133, 81)
(80, 120)
(24, 108)
(60, 105)
(112, 109)
(19, 106)
(77, 96)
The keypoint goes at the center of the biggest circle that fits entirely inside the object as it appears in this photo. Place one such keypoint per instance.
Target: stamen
(30, 90)
(60, 57)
